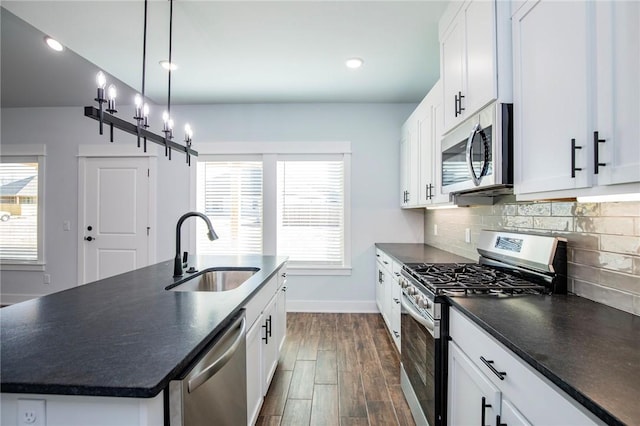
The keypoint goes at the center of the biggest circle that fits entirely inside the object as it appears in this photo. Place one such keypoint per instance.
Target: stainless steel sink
(216, 279)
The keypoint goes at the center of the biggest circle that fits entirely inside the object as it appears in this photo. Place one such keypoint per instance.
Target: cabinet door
(280, 326)
(472, 398)
(386, 299)
(425, 147)
(618, 92)
(438, 128)
(254, 370)
(395, 313)
(452, 56)
(480, 37)
(379, 286)
(552, 94)
(409, 165)
(510, 415)
(269, 346)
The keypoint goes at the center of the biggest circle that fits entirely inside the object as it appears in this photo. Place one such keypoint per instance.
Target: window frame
(29, 153)
(269, 153)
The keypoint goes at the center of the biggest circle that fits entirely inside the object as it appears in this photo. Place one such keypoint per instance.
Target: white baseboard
(10, 299)
(344, 306)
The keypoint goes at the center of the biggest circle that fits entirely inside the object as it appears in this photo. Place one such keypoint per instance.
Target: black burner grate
(465, 278)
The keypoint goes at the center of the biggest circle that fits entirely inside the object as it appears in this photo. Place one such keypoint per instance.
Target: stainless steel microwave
(477, 155)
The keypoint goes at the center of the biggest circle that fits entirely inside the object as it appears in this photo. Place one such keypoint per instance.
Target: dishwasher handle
(217, 365)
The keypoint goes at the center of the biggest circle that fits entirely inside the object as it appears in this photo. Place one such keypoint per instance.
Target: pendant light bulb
(137, 100)
(101, 80)
(187, 130)
(165, 117)
(170, 124)
(145, 110)
(111, 92)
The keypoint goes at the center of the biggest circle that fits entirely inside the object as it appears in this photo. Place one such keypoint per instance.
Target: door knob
(89, 238)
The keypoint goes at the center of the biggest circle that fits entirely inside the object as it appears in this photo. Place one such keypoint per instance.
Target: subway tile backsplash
(603, 241)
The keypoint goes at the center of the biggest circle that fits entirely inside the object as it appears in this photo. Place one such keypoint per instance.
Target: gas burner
(470, 278)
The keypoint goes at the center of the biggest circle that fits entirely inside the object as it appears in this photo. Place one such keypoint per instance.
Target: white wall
(372, 129)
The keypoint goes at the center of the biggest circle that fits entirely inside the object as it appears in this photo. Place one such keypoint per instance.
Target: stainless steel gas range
(510, 265)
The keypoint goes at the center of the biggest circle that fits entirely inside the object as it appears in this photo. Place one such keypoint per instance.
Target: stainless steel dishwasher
(214, 390)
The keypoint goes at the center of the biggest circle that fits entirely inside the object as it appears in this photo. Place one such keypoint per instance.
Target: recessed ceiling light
(54, 44)
(354, 63)
(168, 65)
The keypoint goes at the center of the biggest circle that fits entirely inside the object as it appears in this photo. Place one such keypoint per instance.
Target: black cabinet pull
(482, 413)
(89, 238)
(489, 364)
(266, 333)
(498, 423)
(573, 158)
(269, 328)
(460, 97)
(456, 101)
(396, 333)
(596, 152)
(430, 191)
(426, 192)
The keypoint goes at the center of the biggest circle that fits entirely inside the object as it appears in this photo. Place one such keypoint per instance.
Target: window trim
(270, 153)
(37, 153)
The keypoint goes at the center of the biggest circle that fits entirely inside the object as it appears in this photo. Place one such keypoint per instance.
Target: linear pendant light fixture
(141, 117)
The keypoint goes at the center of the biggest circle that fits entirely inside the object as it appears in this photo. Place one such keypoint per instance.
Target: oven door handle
(413, 313)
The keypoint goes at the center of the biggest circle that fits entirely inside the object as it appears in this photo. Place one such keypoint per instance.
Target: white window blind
(310, 212)
(19, 210)
(230, 194)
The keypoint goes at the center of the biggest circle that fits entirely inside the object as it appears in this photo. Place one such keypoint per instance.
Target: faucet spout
(177, 263)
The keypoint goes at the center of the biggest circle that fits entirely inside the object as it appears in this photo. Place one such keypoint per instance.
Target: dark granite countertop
(589, 350)
(123, 336)
(420, 253)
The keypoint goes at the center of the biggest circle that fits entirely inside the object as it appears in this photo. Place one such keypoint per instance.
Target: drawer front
(539, 400)
(256, 305)
(385, 260)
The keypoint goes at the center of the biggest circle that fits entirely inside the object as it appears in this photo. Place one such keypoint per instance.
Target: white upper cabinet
(420, 165)
(577, 97)
(475, 49)
(409, 164)
(618, 93)
(551, 96)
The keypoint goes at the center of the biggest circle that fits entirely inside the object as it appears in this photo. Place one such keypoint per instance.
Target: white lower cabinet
(254, 370)
(266, 315)
(481, 367)
(270, 348)
(388, 293)
(472, 398)
(396, 293)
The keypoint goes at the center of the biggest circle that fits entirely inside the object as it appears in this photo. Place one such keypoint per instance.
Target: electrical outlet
(66, 225)
(31, 412)
(467, 235)
(46, 278)
(435, 229)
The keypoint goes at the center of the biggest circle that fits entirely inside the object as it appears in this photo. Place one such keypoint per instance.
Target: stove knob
(422, 302)
(427, 303)
(412, 291)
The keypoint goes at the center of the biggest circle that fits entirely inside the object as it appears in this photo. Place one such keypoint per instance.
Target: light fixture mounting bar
(125, 126)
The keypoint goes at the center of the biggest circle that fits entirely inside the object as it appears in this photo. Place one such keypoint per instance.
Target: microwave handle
(485, 166)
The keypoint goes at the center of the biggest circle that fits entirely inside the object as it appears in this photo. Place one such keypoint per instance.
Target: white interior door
(114, 216)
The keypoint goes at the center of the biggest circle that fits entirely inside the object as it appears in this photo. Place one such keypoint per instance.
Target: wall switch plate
(435, 229)
(467, 235)
(46, 279)
(31, 412)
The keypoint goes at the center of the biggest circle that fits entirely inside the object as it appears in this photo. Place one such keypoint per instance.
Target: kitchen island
(125, 336)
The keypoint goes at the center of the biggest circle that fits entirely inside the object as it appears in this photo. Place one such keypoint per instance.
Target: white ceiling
(227, 51)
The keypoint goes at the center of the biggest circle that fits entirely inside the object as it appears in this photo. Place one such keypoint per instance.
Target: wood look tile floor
(336, 369)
